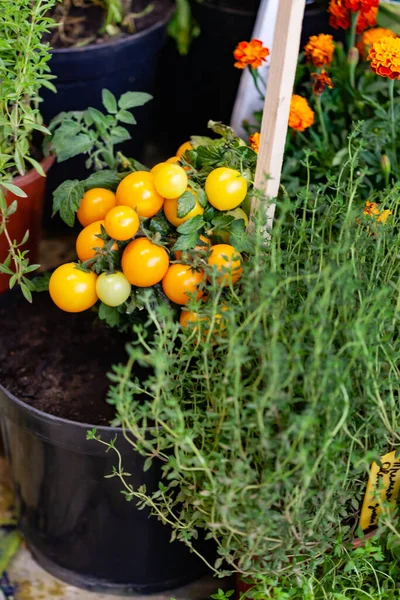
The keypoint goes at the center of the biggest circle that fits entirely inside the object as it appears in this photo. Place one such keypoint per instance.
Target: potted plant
(75, 520)
(269, 404)
(115, 45)
(23, 166)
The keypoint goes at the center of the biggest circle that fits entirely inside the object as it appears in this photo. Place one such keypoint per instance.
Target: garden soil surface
(58, 362)
(83, 24)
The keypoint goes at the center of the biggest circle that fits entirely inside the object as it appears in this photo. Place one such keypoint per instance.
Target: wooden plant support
(277, 103)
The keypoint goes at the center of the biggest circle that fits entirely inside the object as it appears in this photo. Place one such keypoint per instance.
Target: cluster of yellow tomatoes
(141, 195)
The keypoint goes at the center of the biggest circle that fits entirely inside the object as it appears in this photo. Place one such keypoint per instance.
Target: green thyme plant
(23, 71)
(267, 412)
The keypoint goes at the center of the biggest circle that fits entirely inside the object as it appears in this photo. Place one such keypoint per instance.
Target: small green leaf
(14, 189)
(187, 242)
(26, 292)
(133, 99)
(202, 197)
(186, 203)
(12, 208)
(109, 101)
(126, 117)
(66, 200)
(41, 283)
(98, 118)
(5, 269)
(36, 165)
(109, 314)
(192, 225)
(106, 179)
(119, 134)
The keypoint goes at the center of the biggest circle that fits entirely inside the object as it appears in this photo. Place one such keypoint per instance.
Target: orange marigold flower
(385, 57)
(340, 16)
(319, 49)
(251, 54)
(320, 80)
(383, 217)
(371, 36)
(301, 116)
(371, 209)
(361, 5)
(255, 141)
(366, 19)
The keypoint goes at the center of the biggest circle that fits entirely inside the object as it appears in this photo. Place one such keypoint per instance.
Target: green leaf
(5, 269)
(126, 117)
(14, 189)
(12, 208)
(187, 242)
(72, 146)
(98, 118)
(106, 179)
(109, 314)
(186, 203)
(26, 292)
(36, 165)
(119, 134)
(41, 284)
(19, 160)
(192, 225)
(202, 197)
(66, 200)
(133, 99)
(109, 101)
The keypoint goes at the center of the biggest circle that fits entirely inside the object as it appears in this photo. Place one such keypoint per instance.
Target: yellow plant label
(383, 486)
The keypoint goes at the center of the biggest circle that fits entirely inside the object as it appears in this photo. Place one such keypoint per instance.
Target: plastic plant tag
(383, 486)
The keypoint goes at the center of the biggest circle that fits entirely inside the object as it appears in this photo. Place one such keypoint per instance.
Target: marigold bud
(385, 164)
(353, 56)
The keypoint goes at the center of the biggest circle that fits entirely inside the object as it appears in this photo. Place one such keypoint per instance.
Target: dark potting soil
(58, 362)
(80, 23)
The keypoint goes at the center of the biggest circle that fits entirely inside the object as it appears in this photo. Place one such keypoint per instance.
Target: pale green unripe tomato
(113, 289)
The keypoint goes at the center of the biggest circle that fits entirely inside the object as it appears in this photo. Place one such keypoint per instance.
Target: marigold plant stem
(353, 29)
(392, 120)
(256, 78)
(320, 112)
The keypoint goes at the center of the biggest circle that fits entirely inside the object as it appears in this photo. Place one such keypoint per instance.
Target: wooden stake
(277, 102)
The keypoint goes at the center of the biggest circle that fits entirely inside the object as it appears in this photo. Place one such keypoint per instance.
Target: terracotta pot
(28, 216)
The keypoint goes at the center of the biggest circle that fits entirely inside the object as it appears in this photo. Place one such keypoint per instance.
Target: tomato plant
(171, 212)
(225, 188)
(143, 263)
(73, 289)
(94, 205)
(121, 223)
(137, 190)
(113, 289)
(227, 261)
(180, 282)
(170, 180)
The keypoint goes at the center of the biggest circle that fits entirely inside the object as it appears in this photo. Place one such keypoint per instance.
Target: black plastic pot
(202, 85)
(126, 64)
(76, 522)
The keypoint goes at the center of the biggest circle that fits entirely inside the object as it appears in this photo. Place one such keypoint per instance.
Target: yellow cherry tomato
(225, 188)
(121, 223)
(143, 263)
(173, 159)
(72, 289)
(113, 289)
(171, 211)
(94, 205)
(180, 282)
(137, 191)
(228, 261)
(87, 241)
(183, 147)
(170, 180)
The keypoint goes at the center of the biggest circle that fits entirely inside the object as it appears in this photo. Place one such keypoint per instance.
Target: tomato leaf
(238, 236)
(192, 225)
(187, 242)
(71, 146)
(186, 203)
(66, 200)
(106, 179)
(109, 101)
(41, 283)
(126, 117)
(202, 197)
(109, 314)
(119, 134)
(133, 99)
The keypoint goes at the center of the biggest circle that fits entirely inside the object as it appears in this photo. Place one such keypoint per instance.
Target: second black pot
(126, 64)
(76, 522)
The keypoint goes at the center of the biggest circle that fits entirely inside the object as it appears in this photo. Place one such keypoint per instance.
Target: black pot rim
(53, 420)
(122, 41)
(231, 11)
